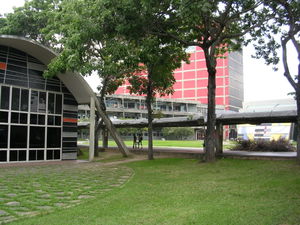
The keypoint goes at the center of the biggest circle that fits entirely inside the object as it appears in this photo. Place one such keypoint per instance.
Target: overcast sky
(260, 81)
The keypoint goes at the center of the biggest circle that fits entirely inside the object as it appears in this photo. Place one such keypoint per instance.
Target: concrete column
(92, 130)
(219, 138)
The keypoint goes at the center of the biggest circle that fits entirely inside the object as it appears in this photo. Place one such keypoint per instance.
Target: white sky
(260, 81)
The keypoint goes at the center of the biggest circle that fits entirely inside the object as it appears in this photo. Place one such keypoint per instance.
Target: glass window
(34, 101)
(50, 103)
(18, 137)
(53, 137)
(24, 100)
(14, 117)
(15, 102)
(33, 118)
(13, 156)
(36, 155)
(17, 155)
(57, 120)
(49, 154)
(4, 97)
(51, 120)
(42, 102)
(53, 154)
(3, 136)
(3, 156)
(23, 118)
(37, 137)
(58, 104)
(32, 155)
(3, 117)
(40, 154)
(56, 154)
(41, 119)
(22, 155)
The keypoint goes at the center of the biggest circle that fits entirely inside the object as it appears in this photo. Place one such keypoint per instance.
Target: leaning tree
(88, 46)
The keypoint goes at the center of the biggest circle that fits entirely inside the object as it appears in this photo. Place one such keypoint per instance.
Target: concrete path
(226, 153)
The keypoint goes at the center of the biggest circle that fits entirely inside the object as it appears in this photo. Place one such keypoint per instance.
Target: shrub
(261, 145)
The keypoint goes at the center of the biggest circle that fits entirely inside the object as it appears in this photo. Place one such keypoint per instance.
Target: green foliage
(178, 133)
(280, 145)
(30, 20)
(282, 21)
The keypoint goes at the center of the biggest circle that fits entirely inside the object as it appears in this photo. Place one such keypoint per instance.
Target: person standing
(140, 143)
(134, 141)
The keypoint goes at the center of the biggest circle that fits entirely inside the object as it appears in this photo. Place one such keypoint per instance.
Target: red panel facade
(194, 78)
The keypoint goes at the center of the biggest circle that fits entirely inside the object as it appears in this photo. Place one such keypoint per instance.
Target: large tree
(76, 30)
(277, 33)
(90, 45)
(160, 58)
(214, 26)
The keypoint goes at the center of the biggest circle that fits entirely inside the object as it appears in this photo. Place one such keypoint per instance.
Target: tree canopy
(215, 26)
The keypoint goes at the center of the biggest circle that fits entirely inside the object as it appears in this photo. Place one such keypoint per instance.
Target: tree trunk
(149, 99)
(211, 109)
(113, 131)
(298, 125)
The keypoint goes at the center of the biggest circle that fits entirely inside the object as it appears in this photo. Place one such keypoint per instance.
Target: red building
(192, 79)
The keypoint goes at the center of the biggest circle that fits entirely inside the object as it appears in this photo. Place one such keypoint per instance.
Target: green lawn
(184, 191)
(169, 143)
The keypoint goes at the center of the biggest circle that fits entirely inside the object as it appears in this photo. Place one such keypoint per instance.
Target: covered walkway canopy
(224, 118)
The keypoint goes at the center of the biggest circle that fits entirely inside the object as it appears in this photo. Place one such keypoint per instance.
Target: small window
(42, 102)
(33, 119)
(58, 104)
(53, 137)
(3, 136)
(53, 154)
(57, 120)
(24, 100)
(23, 118)
(4, 97)
(3, 156)
(51, 103)
(3, 117)
(15, 102)
(37, 137)
(34, 101)
(51, 120)
(14, 118)
(18, 137)
(41, 119)
(36, 155)
(17, 155)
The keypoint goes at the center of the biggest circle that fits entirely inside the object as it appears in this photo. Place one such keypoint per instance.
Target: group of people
(137, 141)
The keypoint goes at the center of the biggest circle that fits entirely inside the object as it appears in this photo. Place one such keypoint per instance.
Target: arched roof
(76, 84)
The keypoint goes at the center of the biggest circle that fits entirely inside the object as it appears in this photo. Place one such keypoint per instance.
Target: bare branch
(287, 73)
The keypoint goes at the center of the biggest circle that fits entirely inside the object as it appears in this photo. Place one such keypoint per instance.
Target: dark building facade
(38, 116)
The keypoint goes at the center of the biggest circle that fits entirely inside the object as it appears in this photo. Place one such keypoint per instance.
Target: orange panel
(70, 120)
(2, 66)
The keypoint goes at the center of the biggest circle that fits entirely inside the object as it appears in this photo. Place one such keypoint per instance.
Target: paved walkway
(226, 153)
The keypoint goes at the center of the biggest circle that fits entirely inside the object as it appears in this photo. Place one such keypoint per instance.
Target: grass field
(167, 143)
(184, 191)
